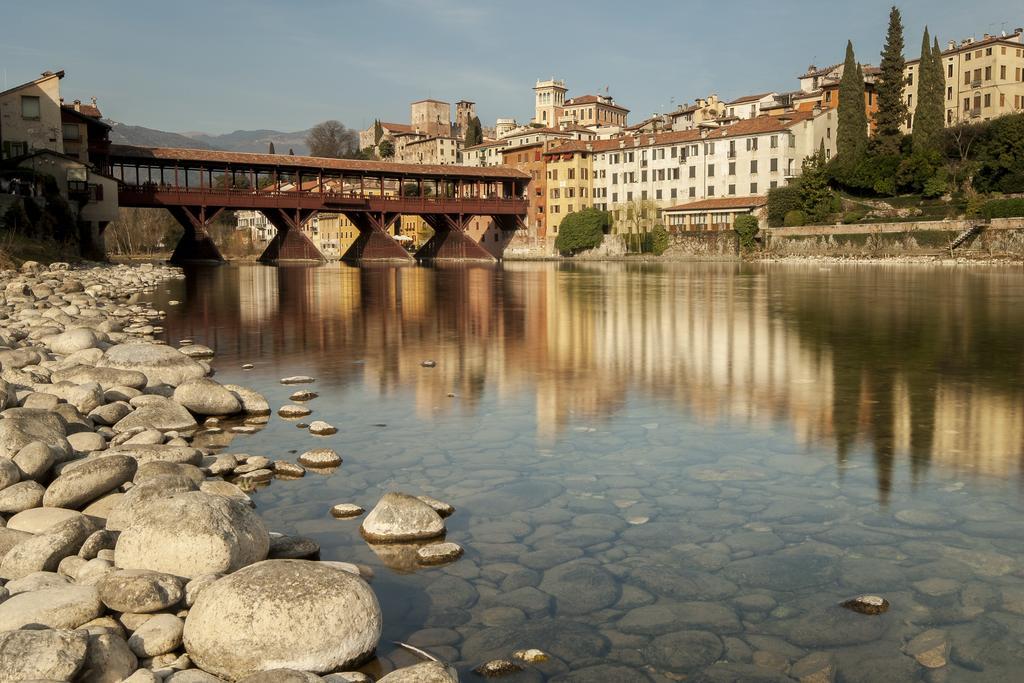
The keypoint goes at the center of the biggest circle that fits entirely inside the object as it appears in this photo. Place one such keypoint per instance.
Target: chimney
(952, 45)
(93, 101)
(78, 105)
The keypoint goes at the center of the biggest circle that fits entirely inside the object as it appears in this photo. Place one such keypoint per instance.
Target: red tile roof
(592, 99)
(722, 203)
(397, 127)
(214, 157)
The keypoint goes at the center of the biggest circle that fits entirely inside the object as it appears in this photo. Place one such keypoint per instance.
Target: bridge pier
(290, 243)
(450, 241)
(375, 242)
(196, 245)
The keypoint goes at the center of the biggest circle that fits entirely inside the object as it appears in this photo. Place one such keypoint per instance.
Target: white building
(747, 158)
(750, 106)
(260, 230)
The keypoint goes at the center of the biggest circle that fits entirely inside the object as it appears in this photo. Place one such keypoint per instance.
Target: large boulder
(108, 659)
(253, 402)
(24, 495)
(157, 636)
(161, 364)
(22, 426)
(54, 655)
(108, 378)
(401, 517)
(190, 534)
(275, 614)
(58, 607)
(205, 397)
(158, 413)
(139, 497)
(146, 452)
(89, 480)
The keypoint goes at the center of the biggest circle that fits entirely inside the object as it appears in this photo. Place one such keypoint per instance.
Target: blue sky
(219, 66)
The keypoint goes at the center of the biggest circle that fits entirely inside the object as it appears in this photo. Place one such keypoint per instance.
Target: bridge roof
(165, 155)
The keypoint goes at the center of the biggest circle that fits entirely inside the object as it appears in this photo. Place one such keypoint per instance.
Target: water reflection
(907, 367)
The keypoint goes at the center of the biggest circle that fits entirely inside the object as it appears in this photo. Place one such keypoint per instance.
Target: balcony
(732, 154)
(976, 84)
(975, 113)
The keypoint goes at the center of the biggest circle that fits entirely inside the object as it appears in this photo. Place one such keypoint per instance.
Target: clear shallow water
(661, 472)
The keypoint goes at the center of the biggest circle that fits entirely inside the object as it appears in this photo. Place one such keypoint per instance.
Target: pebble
(320, 457)
(346, 510)
(498, 667)
(867, 604)
(297, 379)
(439, 553)
(290, 411)
(321, 428)
(303, 395)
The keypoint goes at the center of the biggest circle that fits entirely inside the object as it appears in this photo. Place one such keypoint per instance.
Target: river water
(661, 472)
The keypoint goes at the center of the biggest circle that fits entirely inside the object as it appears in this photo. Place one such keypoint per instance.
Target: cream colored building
(432, 117)
(984, 79)
(593, 110)
(749, 106)
(549, 98)
(30, 117)
(569, 178)
(704, 110)
(438, 150)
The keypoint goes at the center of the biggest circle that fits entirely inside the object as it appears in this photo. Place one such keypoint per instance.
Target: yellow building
(984, 79)
(569, 179)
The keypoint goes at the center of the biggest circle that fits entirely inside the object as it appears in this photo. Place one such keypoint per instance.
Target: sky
(222, 65)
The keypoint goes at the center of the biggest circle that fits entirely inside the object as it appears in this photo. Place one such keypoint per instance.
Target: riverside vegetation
(129, 550)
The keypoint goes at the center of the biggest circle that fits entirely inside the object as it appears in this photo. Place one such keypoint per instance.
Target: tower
(549, 96)
(464, 113)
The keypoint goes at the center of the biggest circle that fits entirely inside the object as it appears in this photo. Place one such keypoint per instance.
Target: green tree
(892, 109)
(332, 139)
(656, 241)
(378, 132)
(270, 148)
(746, 228)
(816, 196)
(581, 230)
(386, 149)
(782, 200)
(927, 127)
(999, 155)
(474, 132)
(852, 136)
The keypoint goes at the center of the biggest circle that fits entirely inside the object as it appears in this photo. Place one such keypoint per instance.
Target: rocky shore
(129, 549)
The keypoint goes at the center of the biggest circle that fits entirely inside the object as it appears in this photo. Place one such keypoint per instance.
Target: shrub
(581, 230)
(16, 219)
(782, 200)
(1003, 208)
(795, 218)
(656, 241)
(937, 185)
(852, 217)
(746, 228)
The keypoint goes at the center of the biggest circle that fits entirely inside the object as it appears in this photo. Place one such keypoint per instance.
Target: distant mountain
(255, 141)
(238, 141)
(124, 134)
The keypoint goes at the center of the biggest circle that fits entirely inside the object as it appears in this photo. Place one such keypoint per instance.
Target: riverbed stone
(253, 402)
(580, 587)
(439, 553)
(108, 659)
(159, 635)
(94, 477)
(34, 461)
(43, 552)
(683, 651)
(159, 363)
(24, 495)
(203, 396)
(158, 413)
(192, 533)
(55, 655)
(58, 607)
(283, 613)
(19, 429)
(140, 591)
(40, 520)
(427, 672)
(320, 458)
(293, 411)
(401, 517)
(321, 428)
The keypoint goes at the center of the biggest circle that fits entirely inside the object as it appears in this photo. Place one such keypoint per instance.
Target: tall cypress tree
(852, 136)
(270, 148)
(928, 116)
(892, 110)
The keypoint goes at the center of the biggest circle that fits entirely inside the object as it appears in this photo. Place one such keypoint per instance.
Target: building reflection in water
(912, 365)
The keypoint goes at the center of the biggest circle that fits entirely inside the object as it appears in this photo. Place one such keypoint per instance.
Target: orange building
(530, 159)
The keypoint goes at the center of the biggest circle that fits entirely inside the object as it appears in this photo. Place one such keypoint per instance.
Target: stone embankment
(128, 551)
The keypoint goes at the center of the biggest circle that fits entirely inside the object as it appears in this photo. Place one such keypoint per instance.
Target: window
(732, 168)
(72, 131)
(967, 78)
(732, 189)
(711, 170)
(949, 93)
(693, 192)
(673, 193)
(753, 188)
(29, 107)
(643, 194)
(751, 144)
(1002, 72)
(910, 100)
(773, 165)
(910, 78)
(674, 152)
(615, 178)
(949, 71)
(967, 104)
(643, 176)
(693, 171)
(657, 194)
(774, 142)
(967, 57)
(711, 190)
(1002, 100)
(572, 174)
(988, 100)
(773, 184)
(988, 52)
(988, 73)
(615, 197)
(753, 165)
(977, 75)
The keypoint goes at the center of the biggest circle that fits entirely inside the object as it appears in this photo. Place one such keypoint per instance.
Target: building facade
(30, 117)
(431, 117)
(593, 111)
(713, 214)
(529, 158)
(983, 79)
(440, 150)
(569, 178)
(549, 98)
